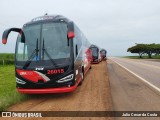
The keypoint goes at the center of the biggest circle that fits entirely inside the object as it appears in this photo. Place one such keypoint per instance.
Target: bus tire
(82, 78)
(90, 67)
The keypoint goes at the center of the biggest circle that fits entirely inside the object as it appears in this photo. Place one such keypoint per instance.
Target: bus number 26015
(56, 71)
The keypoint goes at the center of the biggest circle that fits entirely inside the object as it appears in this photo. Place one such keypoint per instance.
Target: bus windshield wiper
(35, 52)
(45, 51)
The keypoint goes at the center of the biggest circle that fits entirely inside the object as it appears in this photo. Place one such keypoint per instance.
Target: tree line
(7, 58)
(148, 49)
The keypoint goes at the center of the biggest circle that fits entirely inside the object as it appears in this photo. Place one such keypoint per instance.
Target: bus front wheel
(82, 78)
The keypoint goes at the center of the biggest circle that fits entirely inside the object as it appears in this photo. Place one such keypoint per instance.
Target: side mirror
(6, 33)
(70, 33)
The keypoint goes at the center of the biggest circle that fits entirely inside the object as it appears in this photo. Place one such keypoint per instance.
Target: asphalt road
(129, 93)
(148, 70)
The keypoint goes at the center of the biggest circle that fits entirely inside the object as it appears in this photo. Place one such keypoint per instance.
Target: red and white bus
(104, 54)
(96, 55)
(52, 55)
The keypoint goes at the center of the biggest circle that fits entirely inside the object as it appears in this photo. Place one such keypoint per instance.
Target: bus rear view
(44, 56)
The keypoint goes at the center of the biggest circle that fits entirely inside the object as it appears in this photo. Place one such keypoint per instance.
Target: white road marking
(153, 87)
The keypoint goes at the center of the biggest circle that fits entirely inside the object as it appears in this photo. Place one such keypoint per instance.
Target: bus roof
(103, 49)
(94, 46)
(47, 18)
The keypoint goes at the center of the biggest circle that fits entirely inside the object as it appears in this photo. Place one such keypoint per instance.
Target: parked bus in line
(101, 58)
(96, 56)
(52, 55)
(104, 54)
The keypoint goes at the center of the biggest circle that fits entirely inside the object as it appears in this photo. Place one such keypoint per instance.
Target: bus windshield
(45, 41)
(94, 51)
(104, 53)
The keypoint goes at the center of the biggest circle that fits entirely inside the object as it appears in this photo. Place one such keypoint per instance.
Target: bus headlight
(20, 81)
(65, 79)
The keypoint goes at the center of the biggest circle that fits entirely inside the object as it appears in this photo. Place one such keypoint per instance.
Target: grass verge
(8, 92)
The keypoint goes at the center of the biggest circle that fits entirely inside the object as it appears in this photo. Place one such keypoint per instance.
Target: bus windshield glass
(94, 52)
(104, 53)
(45, 41)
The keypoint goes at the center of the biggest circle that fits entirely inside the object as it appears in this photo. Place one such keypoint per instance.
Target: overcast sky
(111, 24)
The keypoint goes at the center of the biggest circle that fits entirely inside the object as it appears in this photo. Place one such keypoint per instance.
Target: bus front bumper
(49, 90)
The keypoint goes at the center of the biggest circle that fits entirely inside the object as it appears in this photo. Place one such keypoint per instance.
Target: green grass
(8, 93)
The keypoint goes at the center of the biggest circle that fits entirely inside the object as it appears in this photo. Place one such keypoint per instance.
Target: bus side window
(76, 50)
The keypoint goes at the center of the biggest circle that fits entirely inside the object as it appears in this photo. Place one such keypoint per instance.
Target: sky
(114, 25)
